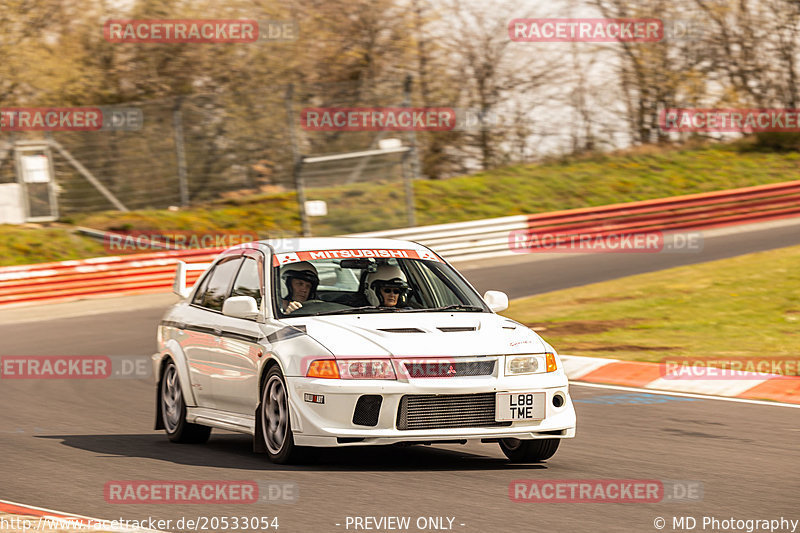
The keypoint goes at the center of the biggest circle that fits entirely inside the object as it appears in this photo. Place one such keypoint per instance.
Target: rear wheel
(529, 451)
(173, 411)
(276, 426)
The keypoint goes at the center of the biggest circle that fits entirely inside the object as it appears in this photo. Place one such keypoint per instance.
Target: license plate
(514, 406)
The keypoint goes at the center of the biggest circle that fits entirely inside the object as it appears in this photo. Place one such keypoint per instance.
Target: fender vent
(457, 329)
(401, 330)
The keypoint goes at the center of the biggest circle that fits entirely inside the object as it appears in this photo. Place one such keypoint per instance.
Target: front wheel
(529, 451)
(275, 424)
(173, 411)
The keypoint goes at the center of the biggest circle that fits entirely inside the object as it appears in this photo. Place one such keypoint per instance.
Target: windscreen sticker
(282, 259)
(293, 257)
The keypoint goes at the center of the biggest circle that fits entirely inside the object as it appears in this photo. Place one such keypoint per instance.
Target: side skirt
(221, 419)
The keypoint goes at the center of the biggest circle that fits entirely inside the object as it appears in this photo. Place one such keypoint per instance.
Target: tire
(276, 427)
(173, 411)
(529, 451)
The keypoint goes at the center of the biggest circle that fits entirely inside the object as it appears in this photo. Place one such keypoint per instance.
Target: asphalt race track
(528, 274)
(61, 441)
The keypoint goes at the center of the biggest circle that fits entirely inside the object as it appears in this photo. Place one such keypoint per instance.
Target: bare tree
(654, 75)
(496, 76)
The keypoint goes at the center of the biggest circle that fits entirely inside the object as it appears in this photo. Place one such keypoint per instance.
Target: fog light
(558, 400)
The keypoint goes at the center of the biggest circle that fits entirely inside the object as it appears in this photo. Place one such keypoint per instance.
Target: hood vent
(457, 329)
(401, 330)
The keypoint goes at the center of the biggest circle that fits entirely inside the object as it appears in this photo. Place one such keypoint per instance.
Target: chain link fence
(202, 148)
(362, 193)
(188, 151)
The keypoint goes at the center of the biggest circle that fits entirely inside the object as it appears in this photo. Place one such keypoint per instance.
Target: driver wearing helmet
(387, 287)
(301, 280)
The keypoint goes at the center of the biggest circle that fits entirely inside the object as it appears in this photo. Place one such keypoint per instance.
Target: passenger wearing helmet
(386, 287)
(301, 280)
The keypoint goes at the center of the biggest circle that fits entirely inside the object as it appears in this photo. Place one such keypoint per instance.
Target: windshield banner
(294, 257)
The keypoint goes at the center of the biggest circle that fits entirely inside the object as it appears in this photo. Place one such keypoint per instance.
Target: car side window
(219, 284)
(248, 282)
(201, 290)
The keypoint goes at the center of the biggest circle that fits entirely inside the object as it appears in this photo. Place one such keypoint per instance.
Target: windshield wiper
(351, 310)
(455, 307)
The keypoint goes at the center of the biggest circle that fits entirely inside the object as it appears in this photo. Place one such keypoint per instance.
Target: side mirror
(241, 307)
(496, 300)
(179, 284)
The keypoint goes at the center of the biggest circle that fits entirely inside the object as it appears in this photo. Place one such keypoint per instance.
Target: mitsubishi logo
(451, 370)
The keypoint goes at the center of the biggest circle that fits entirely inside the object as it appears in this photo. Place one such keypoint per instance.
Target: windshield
(333, 285)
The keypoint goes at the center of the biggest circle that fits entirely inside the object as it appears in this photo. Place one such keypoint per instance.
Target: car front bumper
(332, 423)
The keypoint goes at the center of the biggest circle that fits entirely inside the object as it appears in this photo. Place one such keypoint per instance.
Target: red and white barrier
(154, 272)
(101, 276)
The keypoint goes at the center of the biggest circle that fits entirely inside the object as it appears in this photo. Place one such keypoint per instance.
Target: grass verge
(639, 174)
(22, 245)
(642, 174)
(747, 306)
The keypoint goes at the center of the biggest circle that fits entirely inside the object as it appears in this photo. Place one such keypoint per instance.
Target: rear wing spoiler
(179, 285)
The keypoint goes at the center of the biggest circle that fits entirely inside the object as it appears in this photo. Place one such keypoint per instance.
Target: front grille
(368, 408)
(432, 411)
(449, 369)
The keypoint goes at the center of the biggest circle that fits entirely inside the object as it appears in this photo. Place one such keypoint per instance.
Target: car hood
(421, 334)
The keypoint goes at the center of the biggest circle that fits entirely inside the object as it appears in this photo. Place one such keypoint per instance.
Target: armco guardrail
(154, 272)
(490, 238)
(130, 274)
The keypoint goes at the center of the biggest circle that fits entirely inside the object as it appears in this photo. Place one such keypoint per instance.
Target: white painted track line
(683, 394)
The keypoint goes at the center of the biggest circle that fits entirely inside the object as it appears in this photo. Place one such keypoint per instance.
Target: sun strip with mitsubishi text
(294, 257)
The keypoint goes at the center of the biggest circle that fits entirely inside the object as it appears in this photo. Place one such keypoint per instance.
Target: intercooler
(434, 411)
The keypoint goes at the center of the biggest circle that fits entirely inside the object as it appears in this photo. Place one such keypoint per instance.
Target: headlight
(366, 369)
(530, 363)
(352, 369)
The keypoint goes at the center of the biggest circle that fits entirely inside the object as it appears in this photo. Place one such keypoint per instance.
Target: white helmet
(385, 276)
(301, 270)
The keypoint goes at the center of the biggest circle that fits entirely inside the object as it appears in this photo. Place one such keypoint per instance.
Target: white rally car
(353, 341)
